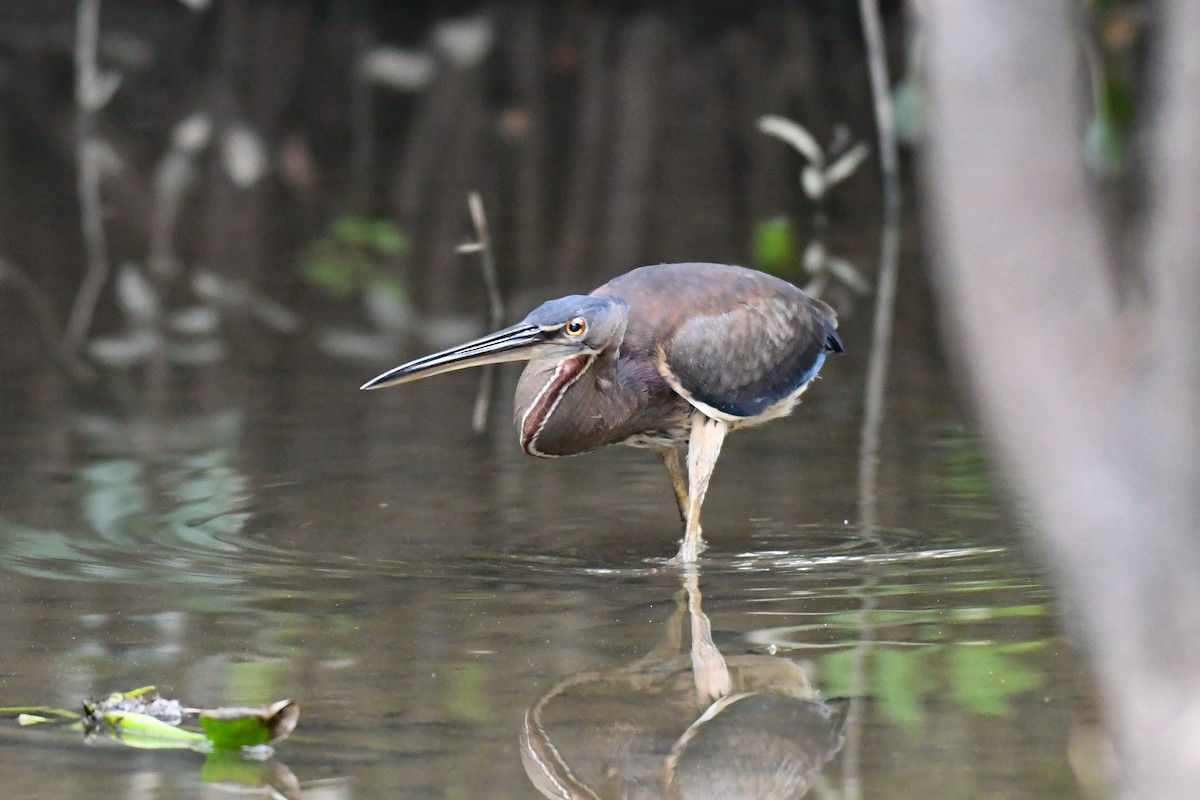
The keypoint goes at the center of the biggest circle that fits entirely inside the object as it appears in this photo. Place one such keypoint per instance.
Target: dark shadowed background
(219, 217)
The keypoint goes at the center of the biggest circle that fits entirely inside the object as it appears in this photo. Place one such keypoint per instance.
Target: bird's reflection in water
(682, 726)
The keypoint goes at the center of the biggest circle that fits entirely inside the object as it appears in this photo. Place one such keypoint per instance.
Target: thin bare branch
(46, 321)
(87, 33)
(491, 283)
(877, 372)
(881, 93)
(487, 260)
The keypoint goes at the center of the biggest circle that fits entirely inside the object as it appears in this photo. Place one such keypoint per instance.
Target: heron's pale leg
(670, 460)
(703, 448)
(709, 669)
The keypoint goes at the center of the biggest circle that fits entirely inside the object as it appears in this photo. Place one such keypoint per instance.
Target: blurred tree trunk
(526, 59)
(1092, 398)
(595, 101)
(635, 137)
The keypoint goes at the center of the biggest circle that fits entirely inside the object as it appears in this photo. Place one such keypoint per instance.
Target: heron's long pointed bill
(516, 343)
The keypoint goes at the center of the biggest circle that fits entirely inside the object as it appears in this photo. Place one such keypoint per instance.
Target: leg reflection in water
(676, 725)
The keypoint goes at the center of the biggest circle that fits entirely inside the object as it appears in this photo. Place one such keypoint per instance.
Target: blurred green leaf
(240, 774)
(775, 245)
(836, 669)
(25, 720)
(1116, 102)
(142, 719)
(902, 679)
(350, 256)
(233, 728)
(981, 613)
(388, 239)
(231, 734)
(978, 677)
(330, 273)
(467, 698)
(145, 732)
(353, 230)
(41, 711)
(982, 678)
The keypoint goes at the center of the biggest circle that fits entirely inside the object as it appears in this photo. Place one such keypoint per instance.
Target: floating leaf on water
(233, 728)
(237, 772)
(145, 732)
(141, 718)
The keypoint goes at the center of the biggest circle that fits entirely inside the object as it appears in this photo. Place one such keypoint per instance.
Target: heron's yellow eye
(576, 327)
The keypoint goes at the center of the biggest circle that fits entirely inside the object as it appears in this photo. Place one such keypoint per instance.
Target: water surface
(239, 536)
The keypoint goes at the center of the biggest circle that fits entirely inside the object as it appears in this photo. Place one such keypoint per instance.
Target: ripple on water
(781, 550)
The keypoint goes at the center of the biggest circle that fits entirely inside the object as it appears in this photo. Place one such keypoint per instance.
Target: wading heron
(658, 356)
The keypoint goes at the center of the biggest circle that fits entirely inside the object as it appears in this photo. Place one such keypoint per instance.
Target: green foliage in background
(776, 246)
(964, 480)
(1113, 55)
(351, 255)
(978, 676)
(466, 694)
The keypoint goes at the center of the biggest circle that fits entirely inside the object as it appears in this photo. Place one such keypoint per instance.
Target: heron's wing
(743, 362)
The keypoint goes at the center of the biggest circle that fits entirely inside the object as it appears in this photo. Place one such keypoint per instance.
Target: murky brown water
(418, 589)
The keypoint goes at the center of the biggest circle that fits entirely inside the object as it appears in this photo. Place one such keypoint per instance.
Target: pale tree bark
(1092, 399)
